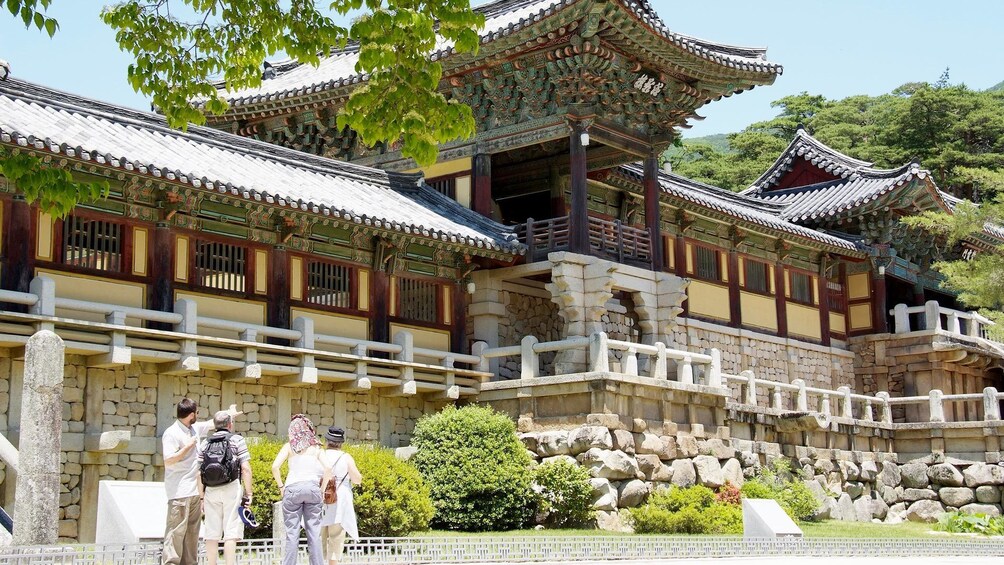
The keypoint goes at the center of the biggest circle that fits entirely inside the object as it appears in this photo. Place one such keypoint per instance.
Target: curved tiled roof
(205, 158)
(804, 146)
(752, 210)
(502, 18)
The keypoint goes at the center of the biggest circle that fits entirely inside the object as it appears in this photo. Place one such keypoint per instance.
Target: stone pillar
(581, 286)
(578, 217)
(652, 208)
(486, 312)
(658, 312)
(36, 508)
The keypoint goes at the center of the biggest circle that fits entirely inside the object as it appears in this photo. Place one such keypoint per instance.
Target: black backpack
(219, 466)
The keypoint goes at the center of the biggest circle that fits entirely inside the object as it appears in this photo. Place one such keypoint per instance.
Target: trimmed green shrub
(393, 499)
(477, 469)
(266, 493)
(675, 498)
(692, 510)
(723, 518)
(566, 497)
(776, 482)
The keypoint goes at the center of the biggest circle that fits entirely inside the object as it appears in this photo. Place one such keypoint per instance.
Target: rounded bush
(675, 498)
(566, 497)
(266, 493)
(477, 469)
(393, 499)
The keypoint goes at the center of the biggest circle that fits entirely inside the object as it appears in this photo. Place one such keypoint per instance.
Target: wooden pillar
(652, 224)
(380, 304)
(162, 273)
(458, 315)
(680, 261)
(824, 309)
(781, 301)
(578, 218)
(735, 306)
(278, 290)
(880, 315)
(918, 295)
(19, 247)
(482, 197)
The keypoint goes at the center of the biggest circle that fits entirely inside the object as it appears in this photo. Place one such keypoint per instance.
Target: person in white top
(339, 518)
(184, 508)
(309, 474)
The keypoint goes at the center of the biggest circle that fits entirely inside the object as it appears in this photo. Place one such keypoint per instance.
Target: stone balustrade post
(714, 377)
(937, 405)
(932, 315)
(991, 404)
(631, 362)
(189, 311)
(45, 289)
(658, 370)
(974, 325)
(599, 353)
(866, 414)
(954, 325)
(886, 410)
(406, 340)
(36, 506)
(685, 371)
(824, 403)
(802, 400)
(305, 326)
(901, 318)
(846, 407)
(478, 350)
(749, 388)
(776, 398)
(529, 362)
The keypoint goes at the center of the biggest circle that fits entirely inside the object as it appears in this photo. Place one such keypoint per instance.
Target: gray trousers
(181, 538)
(303, 500)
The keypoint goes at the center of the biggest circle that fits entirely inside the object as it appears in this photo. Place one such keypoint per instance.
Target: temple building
(273, 261)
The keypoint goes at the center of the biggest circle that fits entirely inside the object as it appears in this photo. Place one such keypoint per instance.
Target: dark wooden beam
(162, 271)
(652, 208)
(680, 261)
(735, 306)
(379, 302)
(781, 300)
(880, 316)
(481, 200)
(19, 246)
(824, 308)
(612, 135)
(578, 221)
(278, 288)
(458, 330)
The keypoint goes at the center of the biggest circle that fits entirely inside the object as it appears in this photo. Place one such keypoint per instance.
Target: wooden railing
(243, 353)
(608, 239)
(933, 316)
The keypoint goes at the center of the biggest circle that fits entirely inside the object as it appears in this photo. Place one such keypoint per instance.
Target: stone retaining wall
(527, 315)
(137, 399)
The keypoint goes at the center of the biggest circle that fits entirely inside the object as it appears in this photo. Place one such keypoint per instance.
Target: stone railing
(243, 352)
(599, 348)
(933, 317)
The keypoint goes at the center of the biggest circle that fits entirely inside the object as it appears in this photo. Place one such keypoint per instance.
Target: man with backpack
(224, 485)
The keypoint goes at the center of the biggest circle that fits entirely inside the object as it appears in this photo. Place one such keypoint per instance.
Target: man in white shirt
(184, 511)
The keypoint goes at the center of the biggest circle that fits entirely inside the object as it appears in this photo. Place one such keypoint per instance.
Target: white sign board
(130, 512)
(764, 518)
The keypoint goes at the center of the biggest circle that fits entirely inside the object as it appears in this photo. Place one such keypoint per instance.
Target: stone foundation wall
(770, 358)
(626, 467)
(527, 315)
(137, 399)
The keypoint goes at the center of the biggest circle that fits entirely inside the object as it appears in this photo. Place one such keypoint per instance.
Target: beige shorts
(333, 537)
(222, 520)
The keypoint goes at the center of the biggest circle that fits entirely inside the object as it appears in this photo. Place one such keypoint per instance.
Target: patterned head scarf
(301, 433)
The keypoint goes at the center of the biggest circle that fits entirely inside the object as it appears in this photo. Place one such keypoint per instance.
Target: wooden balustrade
(609, 239)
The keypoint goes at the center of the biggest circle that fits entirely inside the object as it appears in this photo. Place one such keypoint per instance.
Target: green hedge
(266, 493)
(566, 497)
(477, 469)
(775, 481)
(693, 510)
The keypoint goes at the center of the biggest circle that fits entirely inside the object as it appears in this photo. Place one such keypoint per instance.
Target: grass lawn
(827, 529)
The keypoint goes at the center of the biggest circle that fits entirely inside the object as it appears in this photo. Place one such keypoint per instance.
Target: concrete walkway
(785, 560)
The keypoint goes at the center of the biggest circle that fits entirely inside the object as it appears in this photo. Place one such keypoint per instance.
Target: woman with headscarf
(309, 474)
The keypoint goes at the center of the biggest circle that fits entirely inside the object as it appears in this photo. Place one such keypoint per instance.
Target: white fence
(243, 353)
(933, 316)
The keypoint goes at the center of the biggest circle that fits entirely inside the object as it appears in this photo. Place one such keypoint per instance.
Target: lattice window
(329, 284)
(757, 276)
(835, 297)
(93, 244)
(707, 263)
(444, 186)
(220, 265)
(419, 300)
(801, 288)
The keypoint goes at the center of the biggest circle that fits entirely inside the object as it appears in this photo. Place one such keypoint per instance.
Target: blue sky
(835, 48)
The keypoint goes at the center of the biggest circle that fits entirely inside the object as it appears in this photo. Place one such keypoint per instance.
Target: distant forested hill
(999, 87)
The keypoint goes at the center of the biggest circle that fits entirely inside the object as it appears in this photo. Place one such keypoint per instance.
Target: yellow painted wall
(758, 310)
(804, 321)
(838, 323)
(709, 300)
(233, 309)
(334, 324)
(447, 305)
(43, 249)
(445, 168)
(690, 258)
(181, 259)
(260, 271)
(139, 251)
(463, 186)
(424, 337)
(363, 277)
(857, 286)
(296, 278)
(96, 289)
(860, 316)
